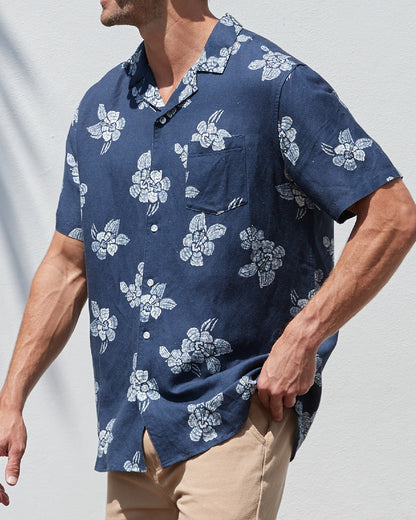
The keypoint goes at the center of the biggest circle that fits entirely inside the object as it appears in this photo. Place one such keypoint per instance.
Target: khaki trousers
(240, 479)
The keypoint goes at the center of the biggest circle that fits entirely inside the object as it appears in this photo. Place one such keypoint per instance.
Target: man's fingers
(289, 401)
(276, 407)
(4, 497)
(13, 466)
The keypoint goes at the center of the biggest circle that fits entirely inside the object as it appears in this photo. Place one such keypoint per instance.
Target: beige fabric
(240, 479)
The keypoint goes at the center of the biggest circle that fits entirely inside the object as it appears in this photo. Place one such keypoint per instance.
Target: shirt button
(146, 334)
(162, 120)
(154, 228)
(150, 282)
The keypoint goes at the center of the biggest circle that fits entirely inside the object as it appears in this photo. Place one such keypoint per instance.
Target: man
(201, 184)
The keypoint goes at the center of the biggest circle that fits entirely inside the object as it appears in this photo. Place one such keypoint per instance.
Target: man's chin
(109, 20)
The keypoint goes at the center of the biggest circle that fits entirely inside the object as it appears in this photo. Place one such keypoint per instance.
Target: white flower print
(182, 151)
(75, 117)
(96, 390)
(103, 326)
(177, 360)
(77, 233)
(329, 245)
(70, 159)
(149, 185)
(265, 256)
(246, 387)
(150, 98)
(299, 303)
(290, 191)
(105, 438)
(203, 418)
(199, 241)
(190, 191)
(230, 21)
(133, 465)
(199, 347)
(151, 304)
(208, 134)
(273, 63)
(131, 64)
(305, 420)
(107, 241)
(235, 47)
(347, 152)
(142, 389)
(318, 373)
(133, 291)
(287, 136)
(190, 82)
(108, 128)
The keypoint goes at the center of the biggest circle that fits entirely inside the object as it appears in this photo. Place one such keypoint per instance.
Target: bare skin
(57, 295)
(175, 32)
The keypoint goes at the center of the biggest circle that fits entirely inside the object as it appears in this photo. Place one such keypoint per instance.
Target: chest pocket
(217, 180)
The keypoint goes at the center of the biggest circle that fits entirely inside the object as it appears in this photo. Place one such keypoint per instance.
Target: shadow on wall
(15, 177)
(8, 164)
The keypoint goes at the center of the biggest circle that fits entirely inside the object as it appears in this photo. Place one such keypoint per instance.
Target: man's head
(142, 12)
(131, 12)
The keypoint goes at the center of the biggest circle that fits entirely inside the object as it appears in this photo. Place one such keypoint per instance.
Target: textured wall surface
(359, 460)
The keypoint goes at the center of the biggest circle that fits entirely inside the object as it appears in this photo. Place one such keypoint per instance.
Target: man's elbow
(406, 223)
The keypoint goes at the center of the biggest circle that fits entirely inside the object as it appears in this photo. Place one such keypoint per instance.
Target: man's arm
(384, 232)
(57, 295)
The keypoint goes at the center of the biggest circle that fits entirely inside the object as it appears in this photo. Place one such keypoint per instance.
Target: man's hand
(288, 371)
(384, 232)
(12, 445)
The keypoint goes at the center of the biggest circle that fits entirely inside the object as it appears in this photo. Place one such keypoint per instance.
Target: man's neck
(173, 44)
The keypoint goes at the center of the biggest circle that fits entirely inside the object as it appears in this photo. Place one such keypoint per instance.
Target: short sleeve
(325, 151)
(69, 211)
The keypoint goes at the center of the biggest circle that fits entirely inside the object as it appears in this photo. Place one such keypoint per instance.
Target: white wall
(359, 460)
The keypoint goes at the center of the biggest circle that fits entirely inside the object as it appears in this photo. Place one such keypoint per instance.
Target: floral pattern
(133, 465)
(109, 240)
(348, 151)
(246, 387)
(287, 136)
(203, 417)
(199, 347)
(73, 164)
(133, 291)
(142, 389)
(318, 373)
(75, 117)
(149, 185)
(108, 128)
(305, 420)
(299, 303)
(273, 63)
(190, 191)
(150, 98)
(77, 233)
(200, 240)
(209, 135)
(151, 304)
(290, 191)
(329, 245)
(103, 326)
(265, 256)
(105, 437)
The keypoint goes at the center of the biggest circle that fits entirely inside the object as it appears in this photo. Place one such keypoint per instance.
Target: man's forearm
(373, 252)
(57, 295)
(384, 232)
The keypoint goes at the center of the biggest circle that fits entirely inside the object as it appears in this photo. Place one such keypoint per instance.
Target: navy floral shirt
(207, 225)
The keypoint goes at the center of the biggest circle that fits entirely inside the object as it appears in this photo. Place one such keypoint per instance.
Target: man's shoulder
(106, 88)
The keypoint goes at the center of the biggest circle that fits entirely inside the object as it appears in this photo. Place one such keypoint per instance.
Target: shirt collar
(214, 59)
